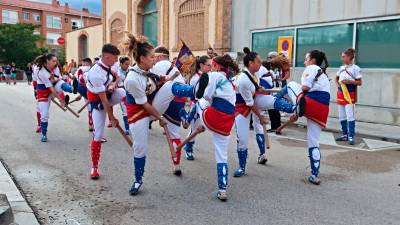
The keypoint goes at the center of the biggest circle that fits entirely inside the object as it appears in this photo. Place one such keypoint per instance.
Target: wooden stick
(170, 145)
(72, 101)
(199, 130)
(266, 137)
(122, 132)
(83, 107)
(291, 120)
(58, 104)
(72, 111)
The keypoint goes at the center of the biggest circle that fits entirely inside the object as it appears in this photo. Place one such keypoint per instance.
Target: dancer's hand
(162, 122)
(114, 121)
(294, 118)
(263, 120)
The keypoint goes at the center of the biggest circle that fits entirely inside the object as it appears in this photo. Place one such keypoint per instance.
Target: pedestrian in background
(28, 72)
(14, 73)
(7, 73)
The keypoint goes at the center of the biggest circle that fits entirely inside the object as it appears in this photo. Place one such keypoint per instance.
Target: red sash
(43, 93)
(135, 112)
(242, 108)
(353, 95)
(316, 111)
(220, 116)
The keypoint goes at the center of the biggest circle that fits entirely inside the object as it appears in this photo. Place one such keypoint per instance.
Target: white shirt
(194, 79)
(308, 79)
(43, 77)
(136, 84)
(353, 72)
(246, 88)
(35, 72)
(97, 78)
(262, 71)
(161, 68)
(219, 86)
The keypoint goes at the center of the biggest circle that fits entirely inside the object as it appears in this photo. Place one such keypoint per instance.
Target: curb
(20, 210)
(6, 214)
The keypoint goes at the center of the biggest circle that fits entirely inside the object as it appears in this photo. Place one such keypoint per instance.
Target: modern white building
(371, 27)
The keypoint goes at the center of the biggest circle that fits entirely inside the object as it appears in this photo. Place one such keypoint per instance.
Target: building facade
(200, 23)
(55, 20)
(369, 26)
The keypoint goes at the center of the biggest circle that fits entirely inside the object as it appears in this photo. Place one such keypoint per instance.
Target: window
(9, 16)
(332, 40)
(150, 21)
(378, 44)
(265, 42)
(26, 16)
(52, 38)
(117, 28)
(36, 32)
(76, 24)
(53, 22)
(36, 17)
(191, 24)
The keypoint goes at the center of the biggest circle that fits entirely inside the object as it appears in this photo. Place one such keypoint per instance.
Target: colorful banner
(185, 59)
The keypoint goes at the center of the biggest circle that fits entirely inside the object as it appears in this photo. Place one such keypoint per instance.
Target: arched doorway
(83, 47)
(150, 21)
(117, 28)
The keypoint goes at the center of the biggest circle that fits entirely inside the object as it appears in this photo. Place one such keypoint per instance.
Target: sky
(93, 5)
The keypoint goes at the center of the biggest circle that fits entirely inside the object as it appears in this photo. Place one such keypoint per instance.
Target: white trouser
(313, 133)
(140, 137)
(173, 130)
(264, 102)
(258, 129)
(221, 142)
(294, 90)
(44, 110)
(37, 107)
(58, 85)
(242, 125)
(99, 116)
(123, 109)
(163, 98)
(194, 124)
(346, 112)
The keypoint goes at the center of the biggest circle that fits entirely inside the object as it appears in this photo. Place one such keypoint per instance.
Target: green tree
(18, 44)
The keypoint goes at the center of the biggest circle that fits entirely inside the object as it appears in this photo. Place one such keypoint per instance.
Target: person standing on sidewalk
(7, 73)
(14, 73)
(348, 79)
(28, 72)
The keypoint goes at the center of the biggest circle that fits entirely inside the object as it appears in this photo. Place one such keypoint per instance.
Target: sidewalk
(23, 214)
(371, 130)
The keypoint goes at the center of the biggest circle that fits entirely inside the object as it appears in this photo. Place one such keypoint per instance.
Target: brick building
(200, 23)
(55, 20)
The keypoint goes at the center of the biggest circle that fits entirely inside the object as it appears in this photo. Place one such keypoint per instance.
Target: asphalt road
(357, 187)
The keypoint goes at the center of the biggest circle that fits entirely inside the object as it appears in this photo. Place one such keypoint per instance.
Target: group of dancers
(214, 98)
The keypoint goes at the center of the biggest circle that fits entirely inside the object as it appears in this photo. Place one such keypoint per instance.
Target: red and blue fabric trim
(241, 107)
(353, 95)
(172, 113)
(43, 93)
(135, 111)
(220, 116)
(317, 107)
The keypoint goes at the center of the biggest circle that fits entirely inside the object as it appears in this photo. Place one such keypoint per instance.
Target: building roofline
(82, 28)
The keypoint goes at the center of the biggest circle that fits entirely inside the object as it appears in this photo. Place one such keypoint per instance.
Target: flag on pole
(185, 59)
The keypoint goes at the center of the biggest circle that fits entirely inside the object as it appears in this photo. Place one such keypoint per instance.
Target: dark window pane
(332, 40)
(378, 44)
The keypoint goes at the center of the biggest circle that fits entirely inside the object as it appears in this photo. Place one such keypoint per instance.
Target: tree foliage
(18, 44)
